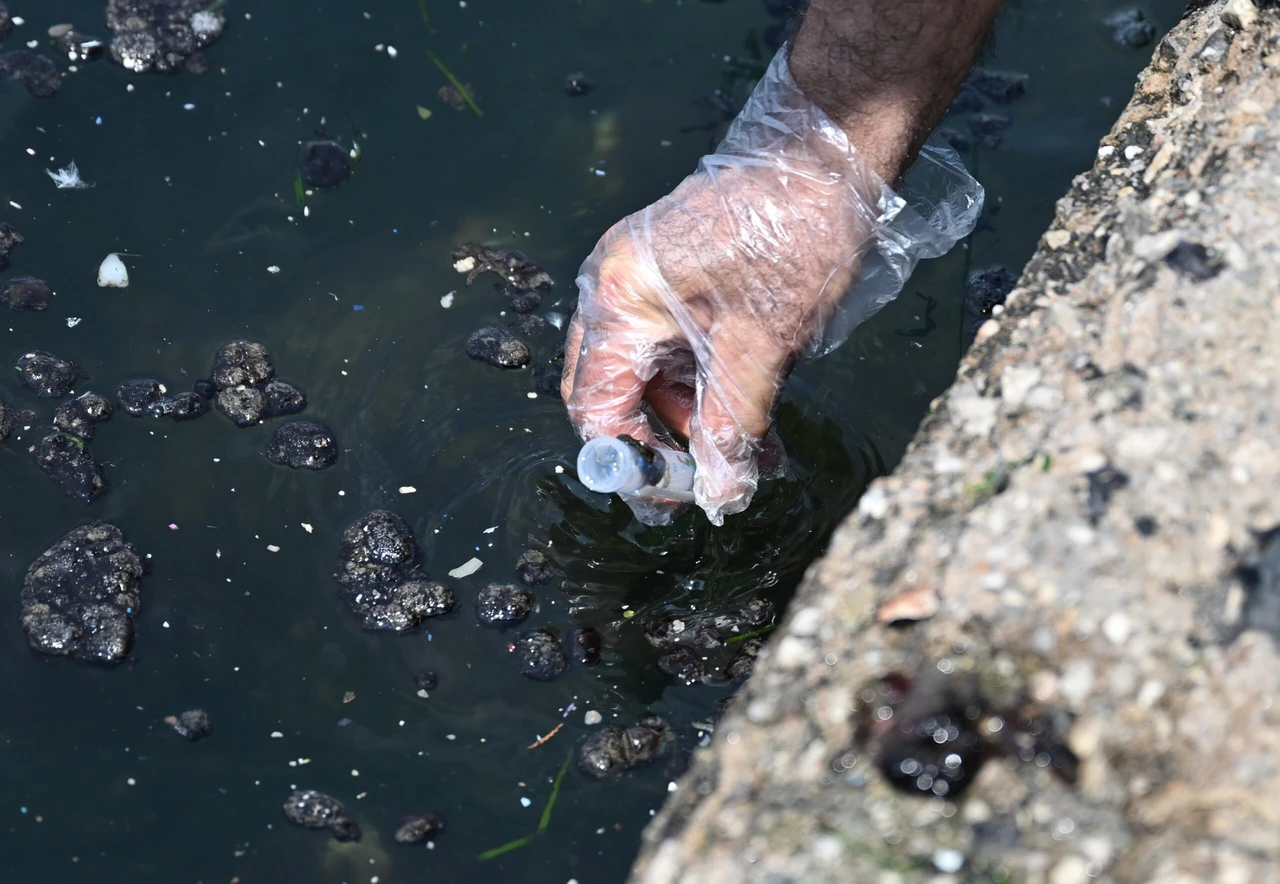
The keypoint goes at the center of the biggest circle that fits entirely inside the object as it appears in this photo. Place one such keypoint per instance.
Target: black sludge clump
(179, 407)
(136, 397)
(382, 582)
(498, 347)
(161, 35)
(11, 418)
(585, 645)
(146, 398)
(245, 388)
(418, 827)
(46, 375)
(612, 751)
(303, 445)
(80, 597)
(9, 239)
(191, 725)
(282, 399)
(324, 164)
(242, 363)
(316, 810)
(538, 654)
(501, 604)
(67, 461)
(6, 22)
(80, 415)
(26, 293)
(36, 72)
(535, 568)
(684, 665)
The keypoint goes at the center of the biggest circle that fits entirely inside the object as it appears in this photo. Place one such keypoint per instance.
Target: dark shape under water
(302, 445)
(585, 645)
(316, 810)
(47, 375)
(612, 751)
(578, 83)
(26, 293)
(80, 597)
(382, 582)
(1129, 27)
(80, 415)
(538, 654)
(684, 665)
(6, 22)
(498, 347)
(9, 240)
(535, 568)
(191, 725)
(474, 259)
(418, 827)
(1001, 87)
(324, 164)
(66, 460)
(38, 74)
(11, 418)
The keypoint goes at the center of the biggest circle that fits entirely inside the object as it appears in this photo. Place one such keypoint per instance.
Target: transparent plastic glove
(777, 246)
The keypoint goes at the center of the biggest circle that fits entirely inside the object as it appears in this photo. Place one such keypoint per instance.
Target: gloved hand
(699, 305)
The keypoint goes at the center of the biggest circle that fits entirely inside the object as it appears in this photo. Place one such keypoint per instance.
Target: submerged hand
(700, 304)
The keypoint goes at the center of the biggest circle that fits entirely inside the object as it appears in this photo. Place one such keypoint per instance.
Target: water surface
(97, 788)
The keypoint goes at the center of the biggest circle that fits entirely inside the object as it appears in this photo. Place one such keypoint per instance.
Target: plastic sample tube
(624, 466)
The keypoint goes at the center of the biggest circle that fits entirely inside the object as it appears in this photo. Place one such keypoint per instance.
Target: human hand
(698, 306)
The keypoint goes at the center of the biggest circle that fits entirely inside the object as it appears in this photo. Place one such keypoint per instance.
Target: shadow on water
(240, 614)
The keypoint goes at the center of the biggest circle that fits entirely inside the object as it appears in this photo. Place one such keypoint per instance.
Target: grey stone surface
(1081, 541)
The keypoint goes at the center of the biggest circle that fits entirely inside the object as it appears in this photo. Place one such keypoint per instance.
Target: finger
(572, 344)
(734, 408)
(672, 402)
(607, 389)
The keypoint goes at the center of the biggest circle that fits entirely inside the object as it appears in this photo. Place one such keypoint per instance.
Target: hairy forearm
(886, 70)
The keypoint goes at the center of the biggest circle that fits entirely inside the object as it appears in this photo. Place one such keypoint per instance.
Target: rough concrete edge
(1054, 262)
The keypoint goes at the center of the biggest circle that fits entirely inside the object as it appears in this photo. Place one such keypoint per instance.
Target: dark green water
(97, 788)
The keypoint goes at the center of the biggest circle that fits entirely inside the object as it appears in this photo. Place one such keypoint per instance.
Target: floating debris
(69, 179)
(112, 273)
(467, 568)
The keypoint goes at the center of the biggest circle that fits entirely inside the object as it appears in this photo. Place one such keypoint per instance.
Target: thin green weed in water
(508, 847)
(422, 8)
(299, 195)
(457, 84)
(764, 630)
(555, 793)
(543, 822)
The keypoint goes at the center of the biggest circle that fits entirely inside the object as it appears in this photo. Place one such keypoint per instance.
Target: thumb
(734, 403)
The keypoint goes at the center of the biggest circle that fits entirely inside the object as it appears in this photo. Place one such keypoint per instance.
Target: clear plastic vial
(624, 466)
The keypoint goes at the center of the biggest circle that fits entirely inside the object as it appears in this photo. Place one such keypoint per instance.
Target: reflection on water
(240, 614)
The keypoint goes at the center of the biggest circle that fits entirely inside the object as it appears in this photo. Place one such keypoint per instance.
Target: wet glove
(694, 309)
